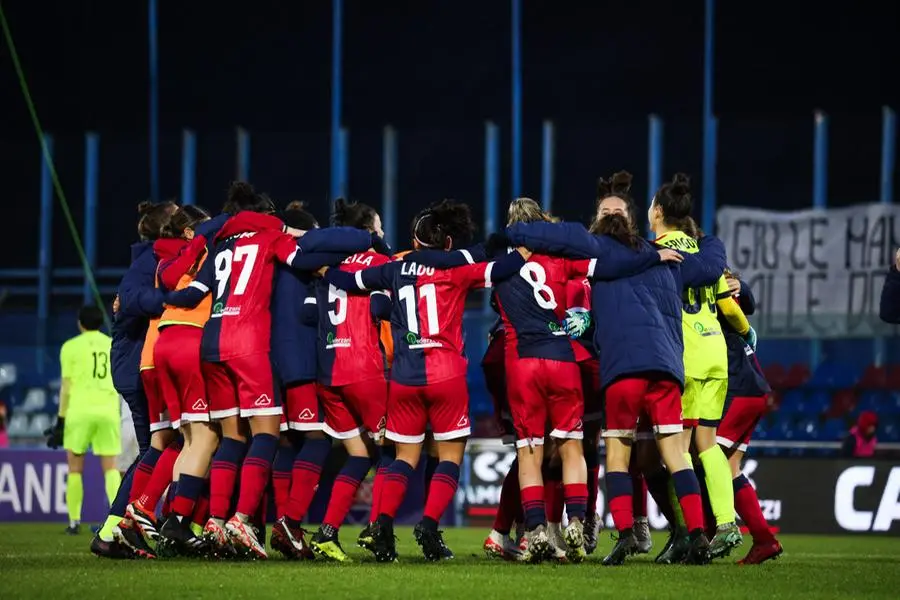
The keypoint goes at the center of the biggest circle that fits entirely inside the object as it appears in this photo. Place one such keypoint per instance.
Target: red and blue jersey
(238, 274)
(578, 296)
(745, 375)
(533, 306)
(349, 343)
(427, 312)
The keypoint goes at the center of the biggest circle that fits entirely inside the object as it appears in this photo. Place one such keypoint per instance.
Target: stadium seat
(796, 376)
(793, 401)
(872, 400)
(833, 430)
(775, 375)
(889, 432)
(807, 430)
(893, 377)
(874, 378)
(842, 402)
(39, 423)
(833, 374)
(818, 401)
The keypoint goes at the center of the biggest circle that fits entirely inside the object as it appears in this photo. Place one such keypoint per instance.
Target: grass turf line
(39, 561)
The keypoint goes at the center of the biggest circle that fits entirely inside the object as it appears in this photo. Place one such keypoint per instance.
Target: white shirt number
(535, 276)
(246, 255)
(407, 295)
(337, 297)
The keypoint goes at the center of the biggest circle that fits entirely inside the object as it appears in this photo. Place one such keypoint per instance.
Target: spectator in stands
(861, 441)
(890, 294)
(4, 436)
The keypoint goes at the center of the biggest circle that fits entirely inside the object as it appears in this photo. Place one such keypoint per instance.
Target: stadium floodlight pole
(242, 158)
(548, 158)
(45, 251)
(654, 160)
(491, 184)
(886, 196)
(888, 153)
(820, 198)
(337, 26)
(516, 98)
(154, 100)
(709, 124)
(188, 166)
(343, 179)
(91, 183)
(389, 184)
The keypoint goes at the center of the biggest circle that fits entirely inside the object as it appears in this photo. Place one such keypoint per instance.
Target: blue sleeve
(565, 239)
(309, 314)
(348, 240)
(316, 260)
(747, 300)
(209, 229)
(380, 306)
(137, 298)
(188, 297)
(889, 311)
(506, 267)
(191, 296)
(705, 267)
(373, 278)
(618, 261)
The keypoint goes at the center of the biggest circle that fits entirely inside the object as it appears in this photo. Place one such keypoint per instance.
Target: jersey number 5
(535, 276)
(246, 255)
(407, 295)
(337, 297)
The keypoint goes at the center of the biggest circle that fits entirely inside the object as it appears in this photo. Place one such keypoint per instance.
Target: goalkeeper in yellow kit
(705, 359)
(88, 410)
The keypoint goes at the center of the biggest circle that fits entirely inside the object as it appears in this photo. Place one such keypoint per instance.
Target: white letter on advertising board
(844, 512)
(37, 488)
(889, 508)
(9, 492)
(59, 502)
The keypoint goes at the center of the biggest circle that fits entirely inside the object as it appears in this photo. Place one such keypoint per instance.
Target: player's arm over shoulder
(731, 310)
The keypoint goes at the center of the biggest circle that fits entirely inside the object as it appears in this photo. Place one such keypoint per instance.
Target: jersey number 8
(246, 255)
(535, 276)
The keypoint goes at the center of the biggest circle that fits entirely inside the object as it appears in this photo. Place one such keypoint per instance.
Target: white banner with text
(814, 273)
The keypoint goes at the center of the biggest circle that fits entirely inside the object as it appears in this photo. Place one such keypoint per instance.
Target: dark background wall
(436, 70)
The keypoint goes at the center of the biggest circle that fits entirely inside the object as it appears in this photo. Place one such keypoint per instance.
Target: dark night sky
(437, 70)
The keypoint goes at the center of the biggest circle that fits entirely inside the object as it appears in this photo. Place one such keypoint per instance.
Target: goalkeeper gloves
(577, 322)
(55, 434)
(750, 338)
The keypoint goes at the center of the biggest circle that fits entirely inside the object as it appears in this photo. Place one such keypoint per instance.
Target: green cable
(73, 230)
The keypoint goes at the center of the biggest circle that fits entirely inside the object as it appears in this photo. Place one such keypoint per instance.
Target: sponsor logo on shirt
(704, 330)
(463, 421)
(220, 310)
(263, 400)
(415, 342)
(555, 328)
(332, 342)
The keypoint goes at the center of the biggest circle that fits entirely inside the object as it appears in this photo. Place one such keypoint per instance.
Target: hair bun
(144, 207)
(620, 183)
(296, 205)
(241, 193)
(681, 184)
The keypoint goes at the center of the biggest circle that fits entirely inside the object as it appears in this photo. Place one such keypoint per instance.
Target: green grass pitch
(38, 561)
